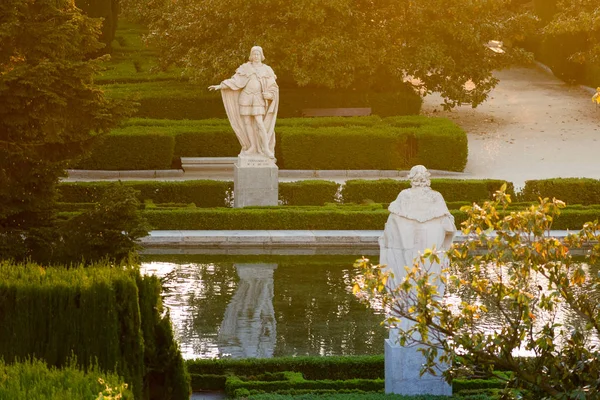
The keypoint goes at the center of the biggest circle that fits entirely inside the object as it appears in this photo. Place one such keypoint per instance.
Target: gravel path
(533, 126)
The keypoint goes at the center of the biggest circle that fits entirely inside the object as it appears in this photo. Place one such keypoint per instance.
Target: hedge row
(570, 190)
(105, 316)
(238, 387)
(386, 190)
(319, 143)
(323, 218)
(183, 100)
(33, 379)
(203, 193)
(130, 150)
(209, 193)
(334, 368)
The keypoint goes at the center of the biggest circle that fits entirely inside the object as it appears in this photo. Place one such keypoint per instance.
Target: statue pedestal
(255, 182)
(402, 367)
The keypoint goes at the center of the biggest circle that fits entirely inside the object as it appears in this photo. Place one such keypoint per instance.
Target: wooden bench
(336, 112)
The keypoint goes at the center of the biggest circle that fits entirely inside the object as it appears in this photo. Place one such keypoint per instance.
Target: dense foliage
(105, 316)
(33, 379)
(50, 111)
(358, 44)
(580, 18)
(301, 143)
(525, 277)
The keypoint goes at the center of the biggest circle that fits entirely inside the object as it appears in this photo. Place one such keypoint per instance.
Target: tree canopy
(50, 110)
(578, 17)
(438, 45)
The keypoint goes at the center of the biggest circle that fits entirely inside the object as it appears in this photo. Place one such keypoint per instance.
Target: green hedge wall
(301, 143)
(386, 190)
(124, 151)
(308, 218)
(570, 190)
(315, 368)
(95, 314)
(203, 193)
(183, 100)
(33, 379)
(237, 387)
(308, 192)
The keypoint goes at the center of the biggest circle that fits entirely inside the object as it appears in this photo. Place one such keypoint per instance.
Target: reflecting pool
(266, 305)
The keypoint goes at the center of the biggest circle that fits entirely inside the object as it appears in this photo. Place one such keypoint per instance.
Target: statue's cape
(420, 204)
(231, 94)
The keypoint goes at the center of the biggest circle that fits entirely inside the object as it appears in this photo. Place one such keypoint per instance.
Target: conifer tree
(50, 110)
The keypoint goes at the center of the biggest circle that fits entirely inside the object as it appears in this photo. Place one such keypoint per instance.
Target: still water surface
(266, 306)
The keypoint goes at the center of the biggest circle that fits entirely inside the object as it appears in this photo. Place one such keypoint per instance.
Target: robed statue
(251, 99)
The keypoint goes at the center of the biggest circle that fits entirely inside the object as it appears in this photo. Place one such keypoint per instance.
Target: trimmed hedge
(101, 315)
(308, 218)
(315, 368)
(294, 380)
(308, 192)
(184, 100)
(125, 151)
(583, 191)
(386, 190)
(33, 379)
(307, 143)
(203, 193)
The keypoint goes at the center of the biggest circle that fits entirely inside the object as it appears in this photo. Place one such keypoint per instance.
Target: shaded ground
(533, 126)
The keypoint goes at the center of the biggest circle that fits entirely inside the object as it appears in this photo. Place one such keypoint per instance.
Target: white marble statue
(251, 99)
(419, 220)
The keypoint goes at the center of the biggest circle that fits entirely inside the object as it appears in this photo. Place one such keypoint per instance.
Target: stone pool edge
(276, 238)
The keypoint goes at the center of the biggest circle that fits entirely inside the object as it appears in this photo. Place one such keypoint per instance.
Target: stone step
(207, 163)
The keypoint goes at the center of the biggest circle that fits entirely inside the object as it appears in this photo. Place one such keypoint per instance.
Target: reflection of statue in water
(249, 328)
(251, 99)
(419, 220)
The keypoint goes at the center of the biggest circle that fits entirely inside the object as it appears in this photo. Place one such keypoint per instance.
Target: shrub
(307, 193)
(295, 381)
(122, 151)
(307, 143)
(203, 193)
(182, 100)
(33, 379)
(386, 190)
(316, 368)
(95, 314)
(570, 190)
(109, 230)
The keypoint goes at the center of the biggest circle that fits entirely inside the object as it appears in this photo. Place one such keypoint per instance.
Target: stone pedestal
(255, 182)
(402, 368)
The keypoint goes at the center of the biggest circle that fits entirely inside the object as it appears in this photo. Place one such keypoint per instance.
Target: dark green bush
(308, 192)
(203, 193)
(315, 368)
(33, 379)
(296, 381)
(121, 151)
(570, 190)
(378, 147)
(265, 218)
(386, 190)
(307, 143)
(182, 100)
(94, 314)
(110, 230)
